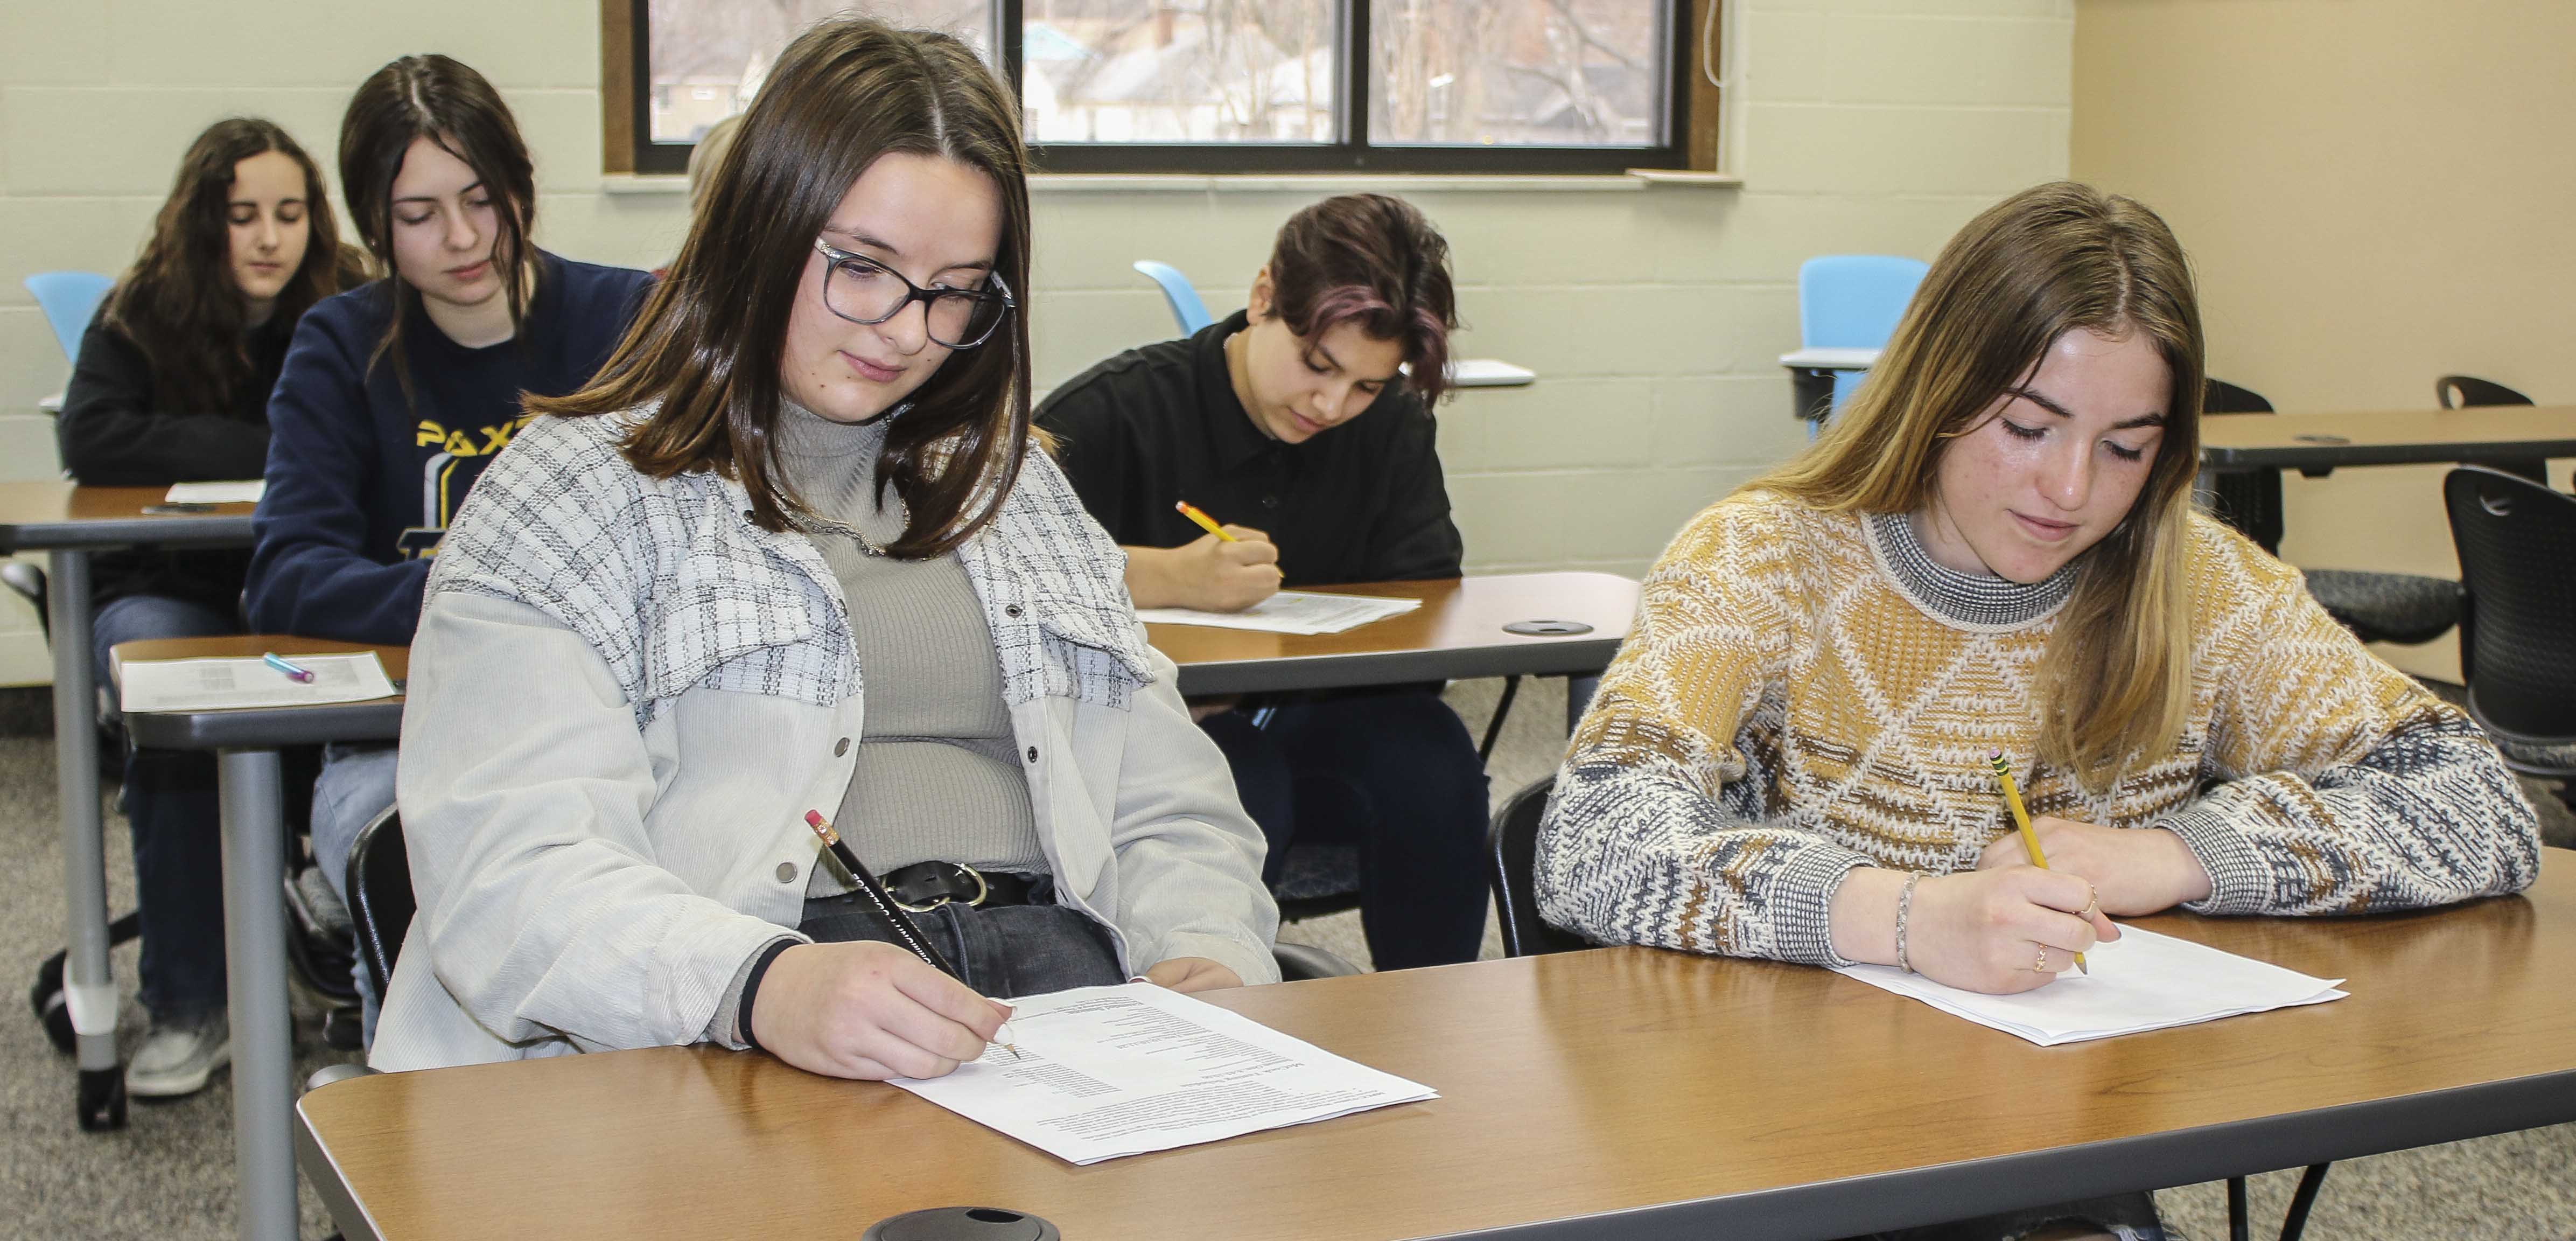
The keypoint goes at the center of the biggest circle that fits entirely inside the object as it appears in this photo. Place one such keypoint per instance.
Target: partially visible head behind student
(871, 174)
(245, 238)
(708, 152)
(2040, 404)
(441, 190)
(1356, 287)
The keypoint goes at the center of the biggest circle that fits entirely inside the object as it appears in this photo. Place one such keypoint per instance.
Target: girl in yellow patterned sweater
(1994, 548)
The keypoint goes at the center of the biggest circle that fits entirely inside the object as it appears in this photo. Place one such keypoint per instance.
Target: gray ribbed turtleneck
(1964, 598)
(938, 774)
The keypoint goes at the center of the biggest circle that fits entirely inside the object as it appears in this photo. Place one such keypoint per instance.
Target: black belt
(925, 886)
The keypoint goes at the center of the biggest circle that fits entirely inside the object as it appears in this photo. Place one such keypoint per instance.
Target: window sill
(1263, 183)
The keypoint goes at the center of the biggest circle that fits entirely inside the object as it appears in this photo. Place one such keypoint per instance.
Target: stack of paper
(1101, 1072)
(2142, 981)
(1290, 611)
(216, 493)
(146, 685)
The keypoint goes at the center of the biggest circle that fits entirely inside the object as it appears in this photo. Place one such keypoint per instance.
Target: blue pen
(301, 676)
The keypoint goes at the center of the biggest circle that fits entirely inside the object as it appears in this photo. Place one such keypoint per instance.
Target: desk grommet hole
(1546, 628)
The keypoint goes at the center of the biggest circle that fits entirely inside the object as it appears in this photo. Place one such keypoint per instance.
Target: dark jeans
(170, 802)
(1394, 773)
(1001, 951)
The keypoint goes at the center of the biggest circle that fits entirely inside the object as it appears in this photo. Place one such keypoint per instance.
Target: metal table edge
(267, 728)
(234, 531)
(1263, 676)
(1859, 1205)
(333, 1188)
(2290, 457)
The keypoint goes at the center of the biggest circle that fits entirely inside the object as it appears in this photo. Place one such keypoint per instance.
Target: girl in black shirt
(171, 385)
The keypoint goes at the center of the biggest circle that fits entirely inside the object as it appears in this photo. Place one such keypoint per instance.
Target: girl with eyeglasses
(795, 551)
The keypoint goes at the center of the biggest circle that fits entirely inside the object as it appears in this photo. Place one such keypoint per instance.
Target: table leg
(255, 958)
(1811, 393)
(1578, 695)
(89, 986)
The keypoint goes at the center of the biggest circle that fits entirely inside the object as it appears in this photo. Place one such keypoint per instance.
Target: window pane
(1149, 71)
(708, 57)
(1587, 73)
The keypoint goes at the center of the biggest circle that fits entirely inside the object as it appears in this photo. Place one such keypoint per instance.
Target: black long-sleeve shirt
(117, 431)
(1362, 502)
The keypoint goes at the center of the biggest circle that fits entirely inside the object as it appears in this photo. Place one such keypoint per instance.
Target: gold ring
(2041, 966)
(2091, 907)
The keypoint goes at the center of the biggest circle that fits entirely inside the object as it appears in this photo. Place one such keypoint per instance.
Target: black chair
(2249, 500)
(2469, 391)
(381, 902)
(1513, 851)
(2466, 391)
(2517, 545)
(29, 582)
(2404, 608)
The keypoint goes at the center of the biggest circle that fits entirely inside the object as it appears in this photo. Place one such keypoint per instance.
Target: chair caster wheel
(102, 1099)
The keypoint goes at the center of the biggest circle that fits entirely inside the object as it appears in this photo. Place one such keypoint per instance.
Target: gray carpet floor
(169, 1173)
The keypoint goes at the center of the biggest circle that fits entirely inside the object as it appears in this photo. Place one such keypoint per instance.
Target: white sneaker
(179, 1058)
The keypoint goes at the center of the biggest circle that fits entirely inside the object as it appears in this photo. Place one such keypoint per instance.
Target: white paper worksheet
(2142, 981)
(1290, 611)
(220, 684)
(247, 492)
(1102, 1072)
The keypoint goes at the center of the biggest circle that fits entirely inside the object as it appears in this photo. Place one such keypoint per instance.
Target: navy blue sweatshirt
(362, 482)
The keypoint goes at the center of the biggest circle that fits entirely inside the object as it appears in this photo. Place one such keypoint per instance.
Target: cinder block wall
(1653, 315)
(2375, 194)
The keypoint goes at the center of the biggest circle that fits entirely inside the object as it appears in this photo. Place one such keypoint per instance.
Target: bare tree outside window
(1204, 71)
(708, 57)
(1518, 72)
(1217, 86)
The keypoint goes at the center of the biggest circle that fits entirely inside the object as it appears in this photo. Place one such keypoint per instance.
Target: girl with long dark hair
(171, 385)
(395, 396)
(642, 660)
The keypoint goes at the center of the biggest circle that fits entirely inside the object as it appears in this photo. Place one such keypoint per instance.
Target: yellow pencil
(2021, 819)
(1206, 522)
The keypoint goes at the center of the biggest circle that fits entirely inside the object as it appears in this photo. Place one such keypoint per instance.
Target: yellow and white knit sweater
(1806, 692)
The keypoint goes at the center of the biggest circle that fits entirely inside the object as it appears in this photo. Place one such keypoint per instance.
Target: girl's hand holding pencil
(2137, 871)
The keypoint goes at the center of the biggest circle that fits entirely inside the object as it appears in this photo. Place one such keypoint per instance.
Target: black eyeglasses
(863, 290)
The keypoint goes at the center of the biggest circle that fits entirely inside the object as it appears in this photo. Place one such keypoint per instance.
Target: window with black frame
(1209, 86)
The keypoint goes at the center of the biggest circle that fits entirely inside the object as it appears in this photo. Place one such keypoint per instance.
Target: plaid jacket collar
(674, 587)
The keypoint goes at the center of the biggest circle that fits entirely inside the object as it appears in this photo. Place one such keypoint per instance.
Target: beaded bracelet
(1905, 914)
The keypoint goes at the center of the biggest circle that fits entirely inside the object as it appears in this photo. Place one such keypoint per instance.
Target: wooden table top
(1715, 1097)
(2389, 437)
(50, 513)
(1457, 632)
(375, 719)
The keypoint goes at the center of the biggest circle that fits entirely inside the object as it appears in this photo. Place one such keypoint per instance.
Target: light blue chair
(1852, 301)
(1186, 306)
(70, 300)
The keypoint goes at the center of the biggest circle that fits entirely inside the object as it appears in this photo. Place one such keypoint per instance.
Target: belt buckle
(982, 890)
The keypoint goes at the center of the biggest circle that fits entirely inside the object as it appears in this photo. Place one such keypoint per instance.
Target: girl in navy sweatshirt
(172, 385)
(396, 395)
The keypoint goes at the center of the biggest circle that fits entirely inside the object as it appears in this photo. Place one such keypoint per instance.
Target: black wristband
(751, 989)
